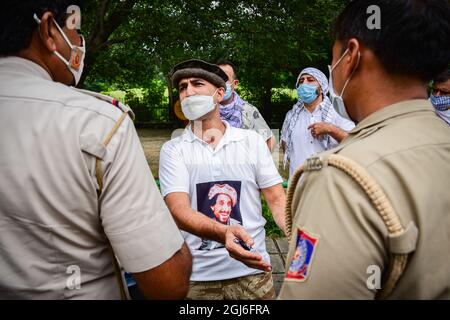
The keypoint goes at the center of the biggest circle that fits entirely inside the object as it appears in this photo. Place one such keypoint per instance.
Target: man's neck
(311, 107)
(385, 93)
(32, 54)
(209, 130)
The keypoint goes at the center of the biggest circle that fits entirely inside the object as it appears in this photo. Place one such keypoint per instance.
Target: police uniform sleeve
(337, 248)
(135, 218)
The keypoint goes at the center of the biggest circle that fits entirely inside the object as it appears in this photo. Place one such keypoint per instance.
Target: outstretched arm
(198, 224)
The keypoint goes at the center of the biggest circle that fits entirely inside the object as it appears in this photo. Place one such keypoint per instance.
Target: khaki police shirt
(405, 147)
(51, 239)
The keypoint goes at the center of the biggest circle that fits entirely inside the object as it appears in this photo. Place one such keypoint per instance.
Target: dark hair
(17, 23)
(224, 62)
(414, 38)
(443, 77)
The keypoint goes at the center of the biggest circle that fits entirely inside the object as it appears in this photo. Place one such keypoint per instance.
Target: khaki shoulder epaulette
(113, 101)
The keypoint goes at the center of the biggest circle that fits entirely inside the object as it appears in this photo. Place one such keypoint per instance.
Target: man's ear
(236, 83)
(352, 57)
(220, 94)
(47, 31)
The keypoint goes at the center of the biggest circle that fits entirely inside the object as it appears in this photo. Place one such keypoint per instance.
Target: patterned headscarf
(294, 113)
(318, 75)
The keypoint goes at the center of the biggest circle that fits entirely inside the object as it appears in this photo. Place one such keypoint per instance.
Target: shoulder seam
(64, 105)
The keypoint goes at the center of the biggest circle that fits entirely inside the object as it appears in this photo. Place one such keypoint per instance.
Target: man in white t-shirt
(212, 177)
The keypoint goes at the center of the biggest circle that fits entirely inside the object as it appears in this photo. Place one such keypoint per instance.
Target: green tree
(130, 43)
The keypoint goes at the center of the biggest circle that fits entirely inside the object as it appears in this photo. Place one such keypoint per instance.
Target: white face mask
(336, 100)
(195, 107)
(77, 54)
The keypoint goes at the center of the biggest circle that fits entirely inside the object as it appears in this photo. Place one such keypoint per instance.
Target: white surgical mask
(77, 54)
(336, 100)
(195, 107)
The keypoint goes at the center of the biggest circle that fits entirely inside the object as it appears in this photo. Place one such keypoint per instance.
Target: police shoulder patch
(300, 264)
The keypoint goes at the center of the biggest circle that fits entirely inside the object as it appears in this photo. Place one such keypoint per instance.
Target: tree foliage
(130, 43)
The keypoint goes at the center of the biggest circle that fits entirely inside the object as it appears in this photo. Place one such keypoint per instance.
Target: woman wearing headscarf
(312, 125)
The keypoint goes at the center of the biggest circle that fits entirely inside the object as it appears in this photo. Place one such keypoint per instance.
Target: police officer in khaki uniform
(73, 175)
(371, 217)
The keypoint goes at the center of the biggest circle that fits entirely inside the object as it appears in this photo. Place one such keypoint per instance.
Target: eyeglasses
(440, 92)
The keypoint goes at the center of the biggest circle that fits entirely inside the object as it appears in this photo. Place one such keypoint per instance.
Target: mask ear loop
(340, 59)
(331, 69)
(216, 103)
(348, 80)
(63, 34)
(73, 49)
(38, 21)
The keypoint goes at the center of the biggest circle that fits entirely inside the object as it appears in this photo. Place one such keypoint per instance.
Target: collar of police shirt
(393, 111)
(381, 118)
(31, 66)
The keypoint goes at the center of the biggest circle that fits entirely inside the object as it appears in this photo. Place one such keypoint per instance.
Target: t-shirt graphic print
(219, 200)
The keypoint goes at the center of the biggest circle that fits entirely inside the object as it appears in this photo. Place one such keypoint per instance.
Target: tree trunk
(102, 29)
(173, 118)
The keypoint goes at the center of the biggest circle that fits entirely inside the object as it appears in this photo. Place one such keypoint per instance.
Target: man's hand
(236, 251)
(319, 129)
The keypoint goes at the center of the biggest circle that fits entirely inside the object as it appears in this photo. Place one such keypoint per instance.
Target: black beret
(199, 69)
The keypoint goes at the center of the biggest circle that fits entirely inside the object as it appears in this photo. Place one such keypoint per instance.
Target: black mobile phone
(242, 244)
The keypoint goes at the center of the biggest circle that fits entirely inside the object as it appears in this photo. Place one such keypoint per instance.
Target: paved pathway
(277, 249)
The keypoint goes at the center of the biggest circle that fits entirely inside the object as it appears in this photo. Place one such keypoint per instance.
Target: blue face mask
(228, 92)
(441, 103)
(307, 92)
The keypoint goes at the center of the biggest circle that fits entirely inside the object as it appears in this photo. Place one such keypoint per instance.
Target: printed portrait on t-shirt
(219, 201)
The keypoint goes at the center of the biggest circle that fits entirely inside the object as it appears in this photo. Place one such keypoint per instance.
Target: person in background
(440, 95)
(348, 237)
(212, 159)
(238, 112)
(312, 125)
